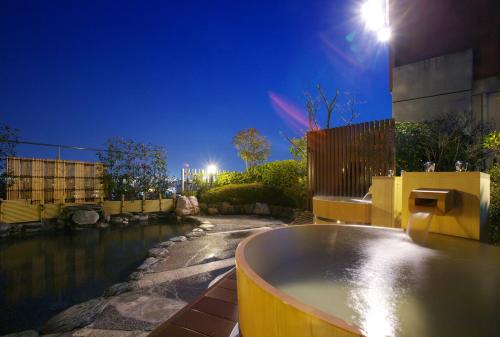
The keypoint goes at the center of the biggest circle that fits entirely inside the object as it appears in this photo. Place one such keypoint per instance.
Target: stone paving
(174, 275)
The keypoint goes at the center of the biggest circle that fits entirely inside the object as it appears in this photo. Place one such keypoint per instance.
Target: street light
(211, 171)
(375, 14)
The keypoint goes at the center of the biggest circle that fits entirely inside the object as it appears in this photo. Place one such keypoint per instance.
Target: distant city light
(375, 14)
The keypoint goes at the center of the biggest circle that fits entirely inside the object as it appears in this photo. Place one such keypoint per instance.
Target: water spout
(419, 233)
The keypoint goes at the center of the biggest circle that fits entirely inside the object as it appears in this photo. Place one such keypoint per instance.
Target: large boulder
(194, 204)
(85, 217)
(75, 317)
(187, 206)
(81, 215)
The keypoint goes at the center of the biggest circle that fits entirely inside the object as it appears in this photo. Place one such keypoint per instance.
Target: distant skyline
(186, 75)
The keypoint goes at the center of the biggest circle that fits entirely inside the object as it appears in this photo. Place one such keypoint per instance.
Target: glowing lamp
(211, 169)
(375, 14)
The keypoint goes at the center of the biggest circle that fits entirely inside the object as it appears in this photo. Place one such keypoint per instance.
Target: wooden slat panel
(47, 180)
(341, 161)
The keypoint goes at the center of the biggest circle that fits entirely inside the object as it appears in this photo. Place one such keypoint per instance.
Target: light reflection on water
(42, 275)
(389, 286)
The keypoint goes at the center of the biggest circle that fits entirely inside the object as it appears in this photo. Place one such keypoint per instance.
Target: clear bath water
(389, 286)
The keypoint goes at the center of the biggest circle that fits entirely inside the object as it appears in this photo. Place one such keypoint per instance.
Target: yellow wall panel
(469, 218)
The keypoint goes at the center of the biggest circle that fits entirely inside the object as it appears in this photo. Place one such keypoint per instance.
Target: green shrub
(494, 213)
(289, 176)
(240, 194)
(233, 177)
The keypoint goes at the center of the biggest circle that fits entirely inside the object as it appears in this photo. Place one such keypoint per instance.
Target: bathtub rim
(243, 266)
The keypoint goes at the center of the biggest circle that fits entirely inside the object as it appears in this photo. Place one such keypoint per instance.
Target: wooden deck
(213, 314)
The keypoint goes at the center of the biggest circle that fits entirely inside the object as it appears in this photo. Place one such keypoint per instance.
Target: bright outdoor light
(376, 18)
(211, 169)
(384, 34)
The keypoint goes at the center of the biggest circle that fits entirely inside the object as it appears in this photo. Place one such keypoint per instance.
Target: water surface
(388, 286)
(42, 275)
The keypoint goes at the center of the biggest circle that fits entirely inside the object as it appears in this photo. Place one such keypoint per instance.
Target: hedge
(288, 176)
(240, 194)
(494, 212)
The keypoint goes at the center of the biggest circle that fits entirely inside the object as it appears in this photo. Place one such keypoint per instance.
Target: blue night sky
(184, 74)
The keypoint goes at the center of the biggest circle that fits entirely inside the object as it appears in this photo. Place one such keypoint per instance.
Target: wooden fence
(342, 161)
(17, 211)
(48, 180)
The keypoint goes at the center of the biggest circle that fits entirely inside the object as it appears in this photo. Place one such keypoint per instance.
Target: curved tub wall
(267, 311)
(352, 210)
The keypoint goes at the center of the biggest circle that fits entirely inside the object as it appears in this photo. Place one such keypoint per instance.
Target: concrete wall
(434, 87)
(429, 89)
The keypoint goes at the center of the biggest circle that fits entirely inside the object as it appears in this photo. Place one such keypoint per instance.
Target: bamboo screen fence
(342, 161)
(48, 180)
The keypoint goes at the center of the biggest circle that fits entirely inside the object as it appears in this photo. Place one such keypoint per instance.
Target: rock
(261, 209)
(75, 317)
(212, 211)
(158, 252)
(187, 206)
(26, 333)
(197, 230)
(183, 206)
(148, 263)
(143, 217)
(102, 225)
(134, 218)
(206, 227)
(194, 204)
(32, 227)
(5, 228)
(226, 208)
(166, 244)
(178, 239)
(136, 275)
(84, 217)
(118, 220)
(191, 235)
(120, 288)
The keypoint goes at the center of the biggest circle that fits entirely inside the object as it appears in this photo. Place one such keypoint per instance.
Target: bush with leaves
(289, 176)
(232, 177)
(241, 194)
(494, 211)
(443, 141)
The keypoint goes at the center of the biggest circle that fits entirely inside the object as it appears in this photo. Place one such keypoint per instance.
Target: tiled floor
(214, 314)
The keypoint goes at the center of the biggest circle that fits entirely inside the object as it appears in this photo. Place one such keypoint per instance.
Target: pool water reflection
(42, 275)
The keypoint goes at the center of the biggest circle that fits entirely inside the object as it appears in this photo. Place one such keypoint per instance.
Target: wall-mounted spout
(432, 201)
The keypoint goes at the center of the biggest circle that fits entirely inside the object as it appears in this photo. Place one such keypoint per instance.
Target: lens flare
(292, 115)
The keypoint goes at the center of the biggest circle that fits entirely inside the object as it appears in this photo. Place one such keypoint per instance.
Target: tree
(443, 141)
(133, 168)
(298, 147)
(252, 147)
(329, 105)
(8, 138)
